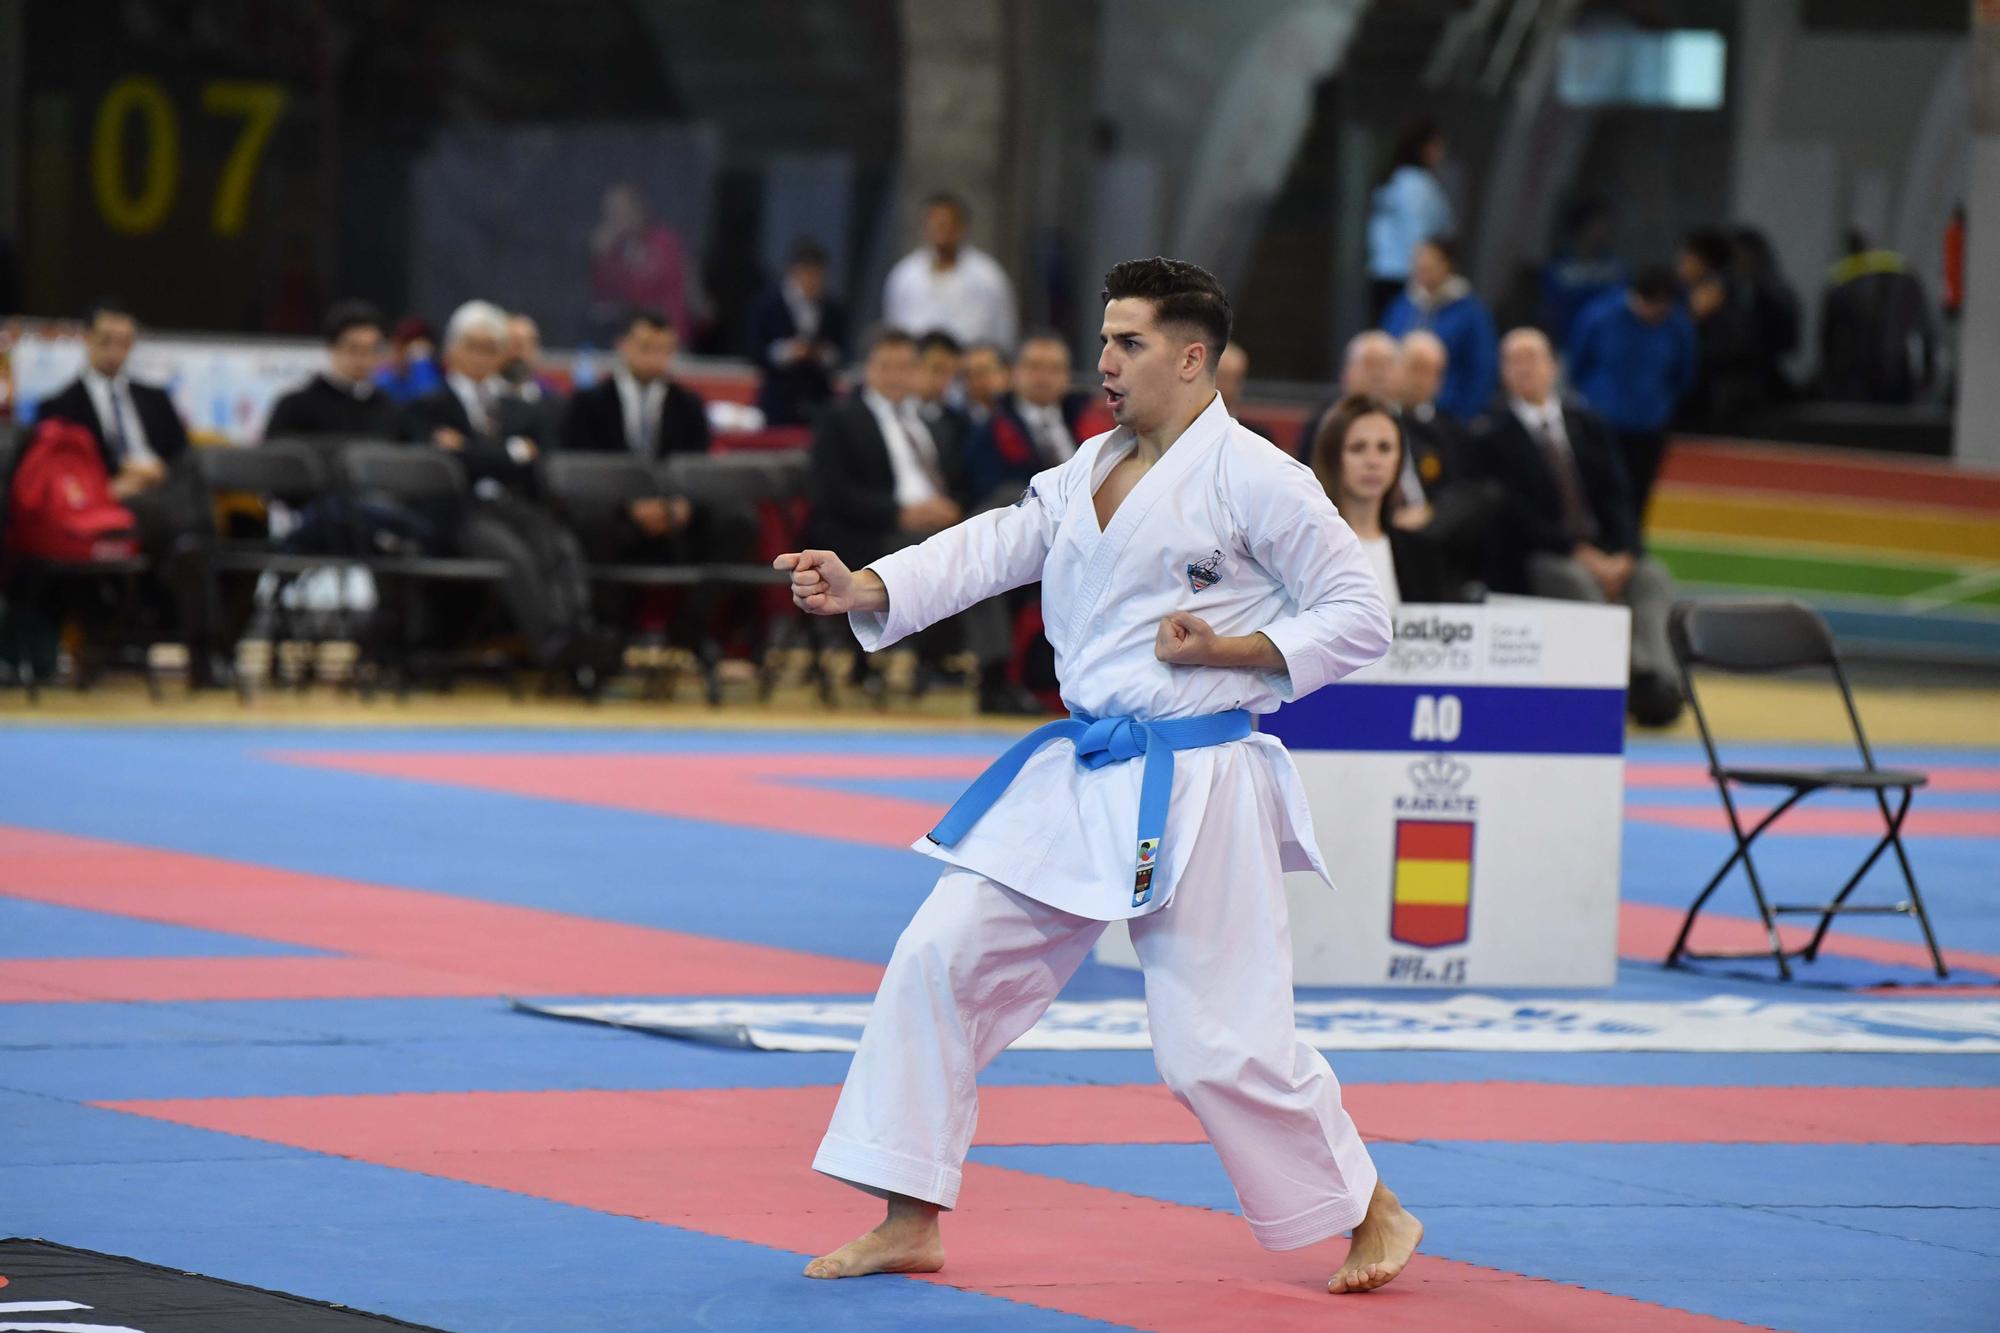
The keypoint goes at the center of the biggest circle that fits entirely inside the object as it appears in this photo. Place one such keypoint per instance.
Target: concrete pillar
(957, 63)
(1976, 437)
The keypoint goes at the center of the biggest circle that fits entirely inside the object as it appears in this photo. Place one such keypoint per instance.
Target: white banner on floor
(1458, 1023)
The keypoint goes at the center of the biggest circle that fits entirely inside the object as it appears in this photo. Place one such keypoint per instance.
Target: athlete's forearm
(1250, 651)
(870, 593)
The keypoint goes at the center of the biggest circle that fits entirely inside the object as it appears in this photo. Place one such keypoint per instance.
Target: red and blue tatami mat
(250, 1026)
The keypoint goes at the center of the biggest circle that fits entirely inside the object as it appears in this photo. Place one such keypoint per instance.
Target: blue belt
(1100, 741)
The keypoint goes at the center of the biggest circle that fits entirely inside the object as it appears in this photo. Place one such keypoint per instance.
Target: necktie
(924, 447)
(1577, 518)
(1050, 436)
(482, 398)
(118, 428)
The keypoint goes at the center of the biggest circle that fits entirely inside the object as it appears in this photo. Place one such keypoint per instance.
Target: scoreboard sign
(1468, 793)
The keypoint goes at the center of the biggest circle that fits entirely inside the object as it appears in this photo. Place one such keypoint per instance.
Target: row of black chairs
(584, 488)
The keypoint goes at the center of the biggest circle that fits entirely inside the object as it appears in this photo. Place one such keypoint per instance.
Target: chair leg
(1708, 890)
(1742, 853)
(1770, 921)
(1811, 951)
(1916, 898)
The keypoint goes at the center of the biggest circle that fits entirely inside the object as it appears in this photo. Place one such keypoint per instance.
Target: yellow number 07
(260, 105)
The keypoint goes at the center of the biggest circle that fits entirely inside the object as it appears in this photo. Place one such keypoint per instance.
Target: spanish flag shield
(1431, 901)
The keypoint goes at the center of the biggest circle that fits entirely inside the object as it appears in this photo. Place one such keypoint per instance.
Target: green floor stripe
(1750, 569)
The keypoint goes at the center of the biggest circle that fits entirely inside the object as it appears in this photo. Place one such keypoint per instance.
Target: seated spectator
(1567, 529)
(1630, 360)
(936, 401)
(879, 480)
(985, 375)
(1583, 270)
(948, 285)
(472, 415)
(1032, 428)
(344, 400)
(1439, 300)
(412, 371)
(1434, 452)
(1876, 340)
(638, 406)
(879, 484)
(798, 335)
(144, 445)
(1368, 367)
(474, 418)
(1730, 380)
(1358, 459)
(523, 381)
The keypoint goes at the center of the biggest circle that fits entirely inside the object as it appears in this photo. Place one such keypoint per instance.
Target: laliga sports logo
(1431, 643)
(1439, 781)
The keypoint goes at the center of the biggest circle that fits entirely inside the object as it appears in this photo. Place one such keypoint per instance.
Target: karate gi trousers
(980, 962)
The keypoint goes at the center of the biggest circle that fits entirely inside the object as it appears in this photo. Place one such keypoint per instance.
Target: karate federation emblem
(1431, 898)
(1431, 893)
(1205, 573)
(1142, 883)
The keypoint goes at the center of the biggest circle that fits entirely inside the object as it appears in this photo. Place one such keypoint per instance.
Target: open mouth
(1112, 397)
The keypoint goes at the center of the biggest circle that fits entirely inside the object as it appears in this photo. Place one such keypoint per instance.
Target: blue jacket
(1473, 371)
(1633, 374)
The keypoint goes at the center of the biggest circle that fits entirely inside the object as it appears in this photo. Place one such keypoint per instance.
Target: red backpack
(59, 506)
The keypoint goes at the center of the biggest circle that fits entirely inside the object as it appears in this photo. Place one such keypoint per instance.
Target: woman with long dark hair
(1358, 457)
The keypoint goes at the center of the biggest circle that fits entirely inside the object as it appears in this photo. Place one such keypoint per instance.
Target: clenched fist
(823, 586)
(1185, 640)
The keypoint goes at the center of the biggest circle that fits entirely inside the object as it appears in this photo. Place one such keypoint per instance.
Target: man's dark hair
(946, 199)
(649, 316)
(1444, 245)
(806, 253)
(1411, 142)
(1045, 334)
(107, 305)
(936, 339)
(999, 352)
(1181, 293)
(344, 315)
(1711, 246)
(1655, 283)
(887, 335)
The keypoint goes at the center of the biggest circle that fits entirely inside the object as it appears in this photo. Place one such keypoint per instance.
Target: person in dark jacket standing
(1877, 343)
(1439, 300)
(1631, 359)
(798, 335)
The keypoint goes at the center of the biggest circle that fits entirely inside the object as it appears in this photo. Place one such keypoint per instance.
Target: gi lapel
(1195, 446)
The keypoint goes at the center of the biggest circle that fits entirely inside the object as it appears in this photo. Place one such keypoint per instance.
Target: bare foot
(1382, 1244)
(897, 1246)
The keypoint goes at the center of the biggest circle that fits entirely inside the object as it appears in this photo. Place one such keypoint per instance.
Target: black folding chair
(289, 472)
(1768, 636)
(427, 480)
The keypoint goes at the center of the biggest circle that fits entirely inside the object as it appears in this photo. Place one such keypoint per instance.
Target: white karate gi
(1052, 860)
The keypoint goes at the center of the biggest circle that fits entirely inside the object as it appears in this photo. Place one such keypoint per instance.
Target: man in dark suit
(1566, 529)
(638, 407)
(471, 414)
(144, 444)
(342, 401)
(798, 335)
(138, 431)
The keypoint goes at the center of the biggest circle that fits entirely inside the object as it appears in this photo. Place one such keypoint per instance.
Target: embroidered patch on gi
(1142, 884)
(1205, 573)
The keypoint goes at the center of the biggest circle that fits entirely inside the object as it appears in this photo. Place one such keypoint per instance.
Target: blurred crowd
(1466, 458)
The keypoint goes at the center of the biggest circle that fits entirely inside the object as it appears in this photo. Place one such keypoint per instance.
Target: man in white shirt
(946, 284)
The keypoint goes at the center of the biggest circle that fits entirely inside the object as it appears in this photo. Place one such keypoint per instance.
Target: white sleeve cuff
(876, 630)
(1305, 663)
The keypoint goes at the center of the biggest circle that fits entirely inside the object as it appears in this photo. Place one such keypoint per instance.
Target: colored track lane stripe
(398, 942)
(734, 1164)
(761, 791)
(1825, 822)
(1805, 471)
(1646, 931)
(1916, 530)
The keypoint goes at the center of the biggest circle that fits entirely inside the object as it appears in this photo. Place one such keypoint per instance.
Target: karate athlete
(1192, 575)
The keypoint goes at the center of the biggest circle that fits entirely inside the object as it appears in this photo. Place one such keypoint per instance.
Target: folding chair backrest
(787, 474)
(718, 478)
(1757, 636)
(278, 469)
(413, 473)
(594, 480)
(1750, 636)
